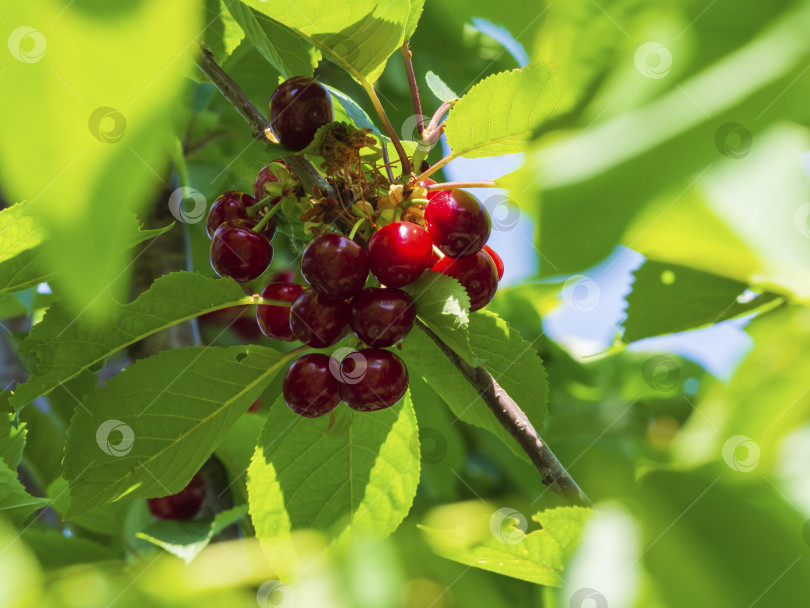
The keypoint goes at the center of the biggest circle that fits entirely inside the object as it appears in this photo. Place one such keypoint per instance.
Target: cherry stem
(254, 209)
(449, 185)
(356, 227)
(516, 423)
(438, 252)
(267, 216)
(417, 105)
(437, 116)
(435, 167)
(375, 101)
(387, 161)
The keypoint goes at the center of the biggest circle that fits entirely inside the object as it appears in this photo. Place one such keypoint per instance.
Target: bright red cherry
(399, 253)
(382, 316)
(318, 320)
(496, 259)
(457, 222)
(265, 176)
(335, 265)
(310, 389)
(477, 273)
(230, 205)
(431, 193)
(376, 379)
(239, 252)
(274, 320)
(183, 505)
(298, 108)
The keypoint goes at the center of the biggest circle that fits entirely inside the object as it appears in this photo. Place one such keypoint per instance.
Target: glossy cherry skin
(285, 275)
(476, 272)
(230, 205)
(239, 252)
(496, 259)
(399, 253)
(265, 176)
(318, 320)
(382, 316)
(431, 193)
(381, 384)
(457, 222)
(310, 388)
(274, 321)
(298, 108)
(183, 505)
(335, 265)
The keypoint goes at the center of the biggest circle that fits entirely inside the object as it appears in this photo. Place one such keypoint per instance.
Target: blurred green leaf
(186, 539)
(149, 429)
(105, 520)
(111, 129)
(12, 440)
(56, 551)
(62, 345)
(352, 477)
(443, 305)
(668, 298)
(439, 89)
(496, 540)
(512, 361)
(358, 36)
(15, 503)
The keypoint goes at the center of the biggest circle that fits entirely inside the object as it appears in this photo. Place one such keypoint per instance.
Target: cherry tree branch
(259, 123)
(516, 423)
(389, 128)
(417, 105)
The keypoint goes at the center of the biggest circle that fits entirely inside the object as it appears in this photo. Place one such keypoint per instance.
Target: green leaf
(22, 250)
(478, 535)
(355, 476)
(510, 359)
(280, 46)
(107, 520)
(500, 113)
(439, 89)
(62, 345)
(12, 440)
(358, 36)
(222, 33)
(149, 429)
(56, 551)
(413, 17)
(443, 305)
(113, 131)
(668, 298)
(354, 111)
(186, 539)
(15, 503)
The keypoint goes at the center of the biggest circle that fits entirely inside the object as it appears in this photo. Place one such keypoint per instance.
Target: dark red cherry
(265, 176)
(372, 379)
(457, 222)
(382, 316)
(477, 273)
(298, 108)
(399, 253)
(285, 275)
(239, 252)
(183, 505)
(496, 259)
(230, 205)
(310, 389)
(256, 406)
(274, 320)
(318, 320)
(335, 265)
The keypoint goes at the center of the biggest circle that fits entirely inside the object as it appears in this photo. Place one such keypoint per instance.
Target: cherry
(274, 320)
(265, 176)
(256, 406)
(477, 273)
(239, 252)
(183, 505)
(335, 265)
(372, 379)
(298, 108)
(318, 320)
(382, 317)
(457, 222)
(286, 275)
(495, 258)
(310, 389)
(431, 193)
(230, 205)
(399, 252)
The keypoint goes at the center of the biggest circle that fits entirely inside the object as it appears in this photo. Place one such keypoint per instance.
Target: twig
(260, 125)
(417, 106)
(514, 420)
(375, 101)
(387, 161)
(449, 185)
